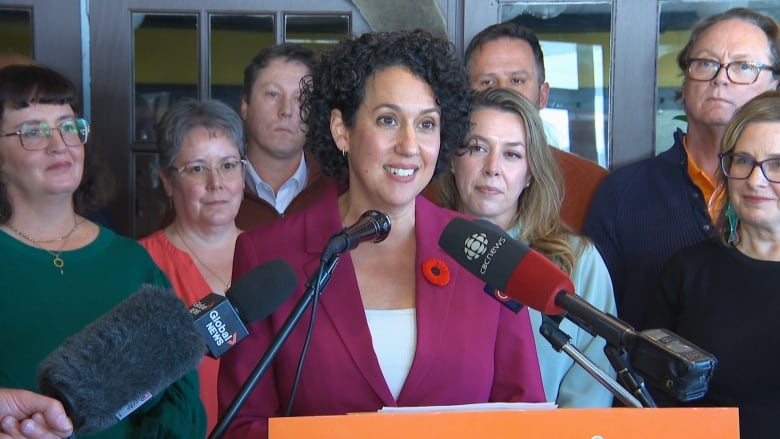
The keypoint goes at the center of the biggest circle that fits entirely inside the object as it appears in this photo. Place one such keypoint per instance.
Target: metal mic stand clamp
(618, 357)
(561, 341)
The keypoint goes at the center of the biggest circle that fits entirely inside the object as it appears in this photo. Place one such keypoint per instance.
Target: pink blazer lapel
(343, 309)
(345, 312)
(433, 302)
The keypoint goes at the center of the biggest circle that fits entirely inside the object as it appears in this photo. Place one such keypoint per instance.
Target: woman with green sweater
(60, 271)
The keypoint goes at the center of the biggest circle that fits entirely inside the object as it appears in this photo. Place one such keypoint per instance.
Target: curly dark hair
(24, 85)
(338, 81)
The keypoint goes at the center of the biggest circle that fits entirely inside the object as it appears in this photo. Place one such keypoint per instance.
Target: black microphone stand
(561, 341)
(618, 357)
(316, 283)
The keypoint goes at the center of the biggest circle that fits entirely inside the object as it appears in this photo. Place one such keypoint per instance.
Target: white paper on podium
(486, 406)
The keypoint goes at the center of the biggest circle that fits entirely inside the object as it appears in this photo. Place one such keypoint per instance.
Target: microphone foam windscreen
(262, 290)
(129, 354)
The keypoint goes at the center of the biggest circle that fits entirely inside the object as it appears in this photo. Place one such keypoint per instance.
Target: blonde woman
(506, 173)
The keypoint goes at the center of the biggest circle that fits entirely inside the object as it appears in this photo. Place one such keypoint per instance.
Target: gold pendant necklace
(58, 262)
(195, 255)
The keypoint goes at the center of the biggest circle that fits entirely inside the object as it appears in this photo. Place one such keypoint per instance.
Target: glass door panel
(575, 39)
(234, 41)
(316, 31)
(165, 50)
(16, 33)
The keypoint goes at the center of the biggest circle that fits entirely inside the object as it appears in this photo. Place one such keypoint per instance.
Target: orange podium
(608, 423)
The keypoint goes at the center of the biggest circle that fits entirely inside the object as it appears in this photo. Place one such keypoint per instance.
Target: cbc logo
(498, 294)
(476, 245)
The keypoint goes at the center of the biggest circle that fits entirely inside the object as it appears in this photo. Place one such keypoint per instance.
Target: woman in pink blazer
(399, 323)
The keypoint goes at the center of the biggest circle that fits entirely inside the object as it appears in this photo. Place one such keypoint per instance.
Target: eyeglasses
(739, 167)
(230, 169)
(738, 72)
(35, 136)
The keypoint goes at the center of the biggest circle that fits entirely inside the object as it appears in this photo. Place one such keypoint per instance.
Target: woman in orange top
(202, 164)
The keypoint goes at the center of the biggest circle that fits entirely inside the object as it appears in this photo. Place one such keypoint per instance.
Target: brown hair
(24, 85)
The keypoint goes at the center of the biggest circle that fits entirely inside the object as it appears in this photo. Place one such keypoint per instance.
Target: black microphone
(667, 360)
(372, 225)
(222, 320)
(115, 364)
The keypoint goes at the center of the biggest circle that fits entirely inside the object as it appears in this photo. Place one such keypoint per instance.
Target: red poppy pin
(436, 272)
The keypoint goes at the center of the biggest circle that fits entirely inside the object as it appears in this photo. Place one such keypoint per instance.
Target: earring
(733, 218)
(343, 152)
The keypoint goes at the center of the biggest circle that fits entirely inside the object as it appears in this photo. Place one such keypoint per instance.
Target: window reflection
(575, 39)
(165, 67)
(235, 40)
(677, 19)
(316, 31)
(16, 32)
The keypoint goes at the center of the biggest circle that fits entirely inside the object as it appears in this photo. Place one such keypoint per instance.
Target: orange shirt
(700, 178)
(190, 286)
